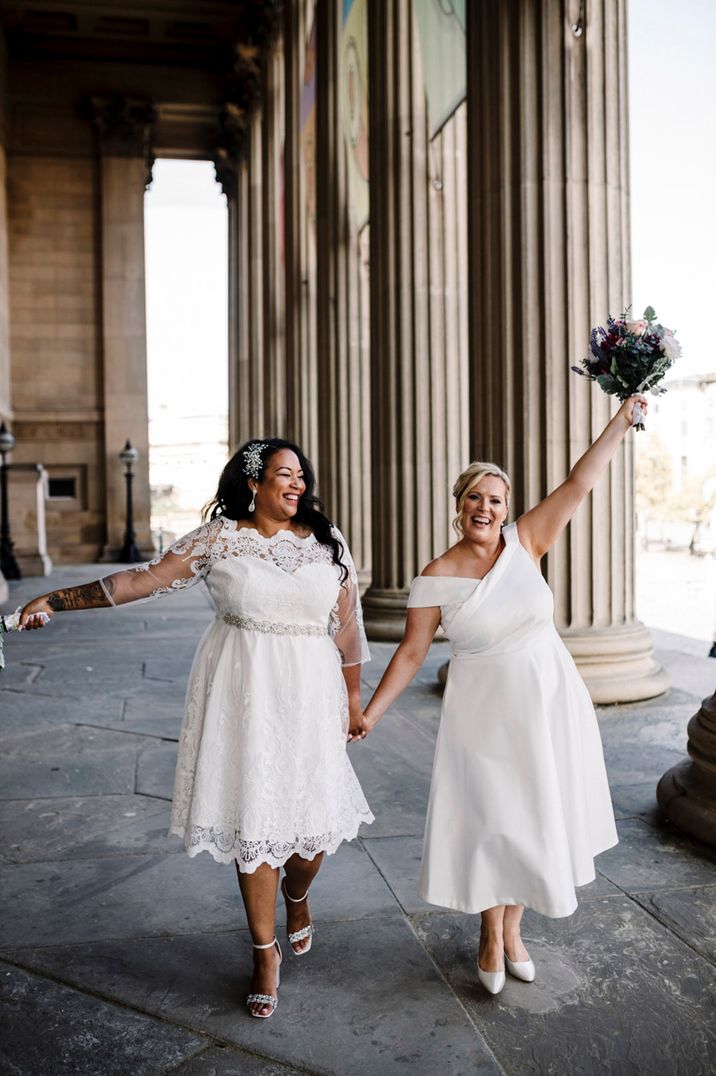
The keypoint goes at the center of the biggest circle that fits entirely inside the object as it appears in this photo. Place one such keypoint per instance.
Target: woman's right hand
(31, 615)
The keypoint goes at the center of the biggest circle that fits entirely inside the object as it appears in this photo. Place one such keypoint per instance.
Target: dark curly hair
(234, 494)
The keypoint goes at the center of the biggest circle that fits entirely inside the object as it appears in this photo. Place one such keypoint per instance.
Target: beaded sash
(273, 627)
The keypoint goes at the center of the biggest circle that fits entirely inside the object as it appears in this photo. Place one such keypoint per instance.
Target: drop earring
(252, 503)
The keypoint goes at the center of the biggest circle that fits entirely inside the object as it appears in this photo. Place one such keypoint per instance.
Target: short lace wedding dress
(262, 771)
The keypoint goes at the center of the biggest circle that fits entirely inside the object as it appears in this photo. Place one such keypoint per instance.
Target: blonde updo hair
(472, 474)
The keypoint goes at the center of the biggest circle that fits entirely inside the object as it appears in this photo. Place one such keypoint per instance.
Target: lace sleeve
(184, 564)
(347, 617)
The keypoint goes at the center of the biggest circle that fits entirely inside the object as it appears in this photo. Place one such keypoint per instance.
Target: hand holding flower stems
(630, 356)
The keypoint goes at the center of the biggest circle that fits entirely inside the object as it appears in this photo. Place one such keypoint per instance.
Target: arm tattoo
(88, 596)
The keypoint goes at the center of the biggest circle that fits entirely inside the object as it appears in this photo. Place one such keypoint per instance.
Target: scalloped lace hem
(251, 854)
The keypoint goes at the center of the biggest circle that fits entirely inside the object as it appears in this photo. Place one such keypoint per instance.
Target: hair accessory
(253, 462)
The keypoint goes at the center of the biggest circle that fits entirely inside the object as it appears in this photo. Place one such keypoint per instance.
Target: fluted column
(299, 233)
(249, 166)
(549, 258)
(344, 448)
(417, 366)
(124, 128)
(5, 409)
(687, 792)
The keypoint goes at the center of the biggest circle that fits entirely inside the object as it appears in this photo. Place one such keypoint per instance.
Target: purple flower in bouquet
(629, 356)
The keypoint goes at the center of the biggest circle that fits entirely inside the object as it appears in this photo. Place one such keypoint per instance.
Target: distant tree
(654, 477)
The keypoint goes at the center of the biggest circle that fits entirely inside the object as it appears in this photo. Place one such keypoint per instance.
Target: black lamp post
(129, 553)
(8, 565)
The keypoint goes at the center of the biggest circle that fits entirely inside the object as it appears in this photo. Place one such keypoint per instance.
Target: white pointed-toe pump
(493, 981)
(521, 969)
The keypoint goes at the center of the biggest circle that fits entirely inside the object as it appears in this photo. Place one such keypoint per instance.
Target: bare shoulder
(444, 565)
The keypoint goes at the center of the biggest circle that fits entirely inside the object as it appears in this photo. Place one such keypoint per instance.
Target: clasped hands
(359, 726)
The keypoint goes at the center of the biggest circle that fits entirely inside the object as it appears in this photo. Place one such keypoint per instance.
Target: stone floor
(120, 955)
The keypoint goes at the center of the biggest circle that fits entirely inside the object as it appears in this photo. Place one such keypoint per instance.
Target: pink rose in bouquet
(629, 356)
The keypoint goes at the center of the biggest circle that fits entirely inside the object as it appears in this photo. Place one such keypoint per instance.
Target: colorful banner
(441, 29)
(354, 104)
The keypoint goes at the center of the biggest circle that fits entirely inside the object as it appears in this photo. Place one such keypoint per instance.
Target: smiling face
(484, 509)
(282, 486)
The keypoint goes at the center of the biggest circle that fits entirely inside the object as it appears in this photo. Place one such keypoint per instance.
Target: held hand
(356, 726)
(361, 726)
(627, 408)
(32, 615)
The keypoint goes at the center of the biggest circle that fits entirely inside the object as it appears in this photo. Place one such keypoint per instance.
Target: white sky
(672, 75)
(186, 240)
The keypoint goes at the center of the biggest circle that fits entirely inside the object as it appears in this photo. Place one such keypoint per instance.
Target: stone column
(344, 454)
(5, 409)
(248, 165)
(687, 792)
(299, 236)
(418, 440)
(124, 130)
(549, 258)
(28, 493)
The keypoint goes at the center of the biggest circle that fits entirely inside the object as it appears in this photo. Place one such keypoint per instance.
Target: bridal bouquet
(630, 356)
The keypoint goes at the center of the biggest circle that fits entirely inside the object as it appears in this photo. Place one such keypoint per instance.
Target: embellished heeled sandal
(305, 932)
(266, 999)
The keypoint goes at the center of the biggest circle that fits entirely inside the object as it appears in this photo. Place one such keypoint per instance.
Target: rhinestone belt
(273, 627)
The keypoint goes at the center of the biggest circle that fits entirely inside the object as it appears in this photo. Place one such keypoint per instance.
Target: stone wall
(56, 375)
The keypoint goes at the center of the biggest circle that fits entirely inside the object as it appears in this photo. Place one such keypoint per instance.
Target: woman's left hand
(356, 726)
(627, 408)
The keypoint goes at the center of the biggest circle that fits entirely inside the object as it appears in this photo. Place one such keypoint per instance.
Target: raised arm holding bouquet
(629, 357)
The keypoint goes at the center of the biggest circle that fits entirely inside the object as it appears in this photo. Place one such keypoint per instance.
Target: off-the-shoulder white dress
(262, 771)
(519, 801)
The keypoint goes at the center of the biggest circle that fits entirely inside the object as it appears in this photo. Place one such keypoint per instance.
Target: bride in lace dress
(262, 778)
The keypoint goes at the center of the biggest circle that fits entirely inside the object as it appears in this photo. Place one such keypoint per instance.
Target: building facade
(428, 209)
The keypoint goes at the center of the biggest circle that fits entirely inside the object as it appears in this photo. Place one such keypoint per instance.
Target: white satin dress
(262, 771)
(519, 801)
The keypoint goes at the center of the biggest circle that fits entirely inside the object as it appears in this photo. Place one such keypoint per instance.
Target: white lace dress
(262, 771)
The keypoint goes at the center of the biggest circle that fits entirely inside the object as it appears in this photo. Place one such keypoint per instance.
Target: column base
(110, 555)
(617, 664)
(687, 792)
(690, 806)
(384, 614)
(34, 564)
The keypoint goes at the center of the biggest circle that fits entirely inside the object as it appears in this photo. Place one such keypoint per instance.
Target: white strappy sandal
(266, 999)
(304, 932)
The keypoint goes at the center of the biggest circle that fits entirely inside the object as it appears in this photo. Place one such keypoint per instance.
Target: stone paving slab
(102, 906)
(225, 1061)
(46, 829)
(615, 992)
(51, 1030)
(155, 771)
(101, 773)
(149, 833)
(72, 740)
(393, 766)
(20, 711)
(645, 860)
(376, 988)
(151, 714)
(637, 801)
(63, 902)
(690, 913)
